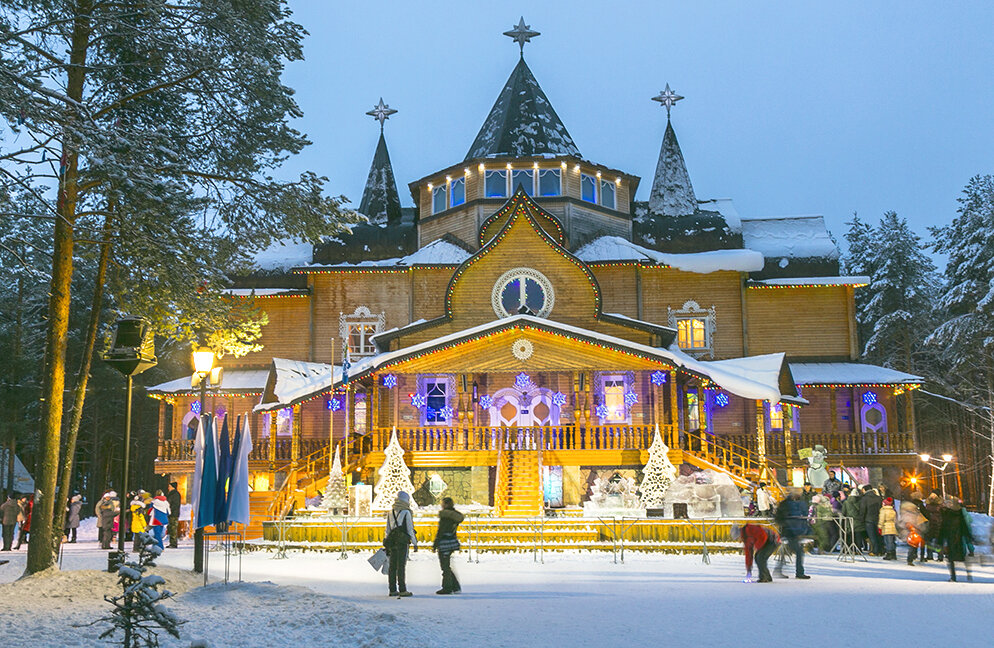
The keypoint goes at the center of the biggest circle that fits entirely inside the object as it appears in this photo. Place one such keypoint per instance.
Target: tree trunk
(40, 553)
(83, 376)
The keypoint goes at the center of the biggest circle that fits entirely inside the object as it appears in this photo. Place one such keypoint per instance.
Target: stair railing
(541, 486)
(310, 466)
(501, 483)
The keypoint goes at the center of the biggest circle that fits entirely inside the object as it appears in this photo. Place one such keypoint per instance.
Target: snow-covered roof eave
(244, 381)
(613, 249)
(755, 378)
(850, 374)
(807, 282)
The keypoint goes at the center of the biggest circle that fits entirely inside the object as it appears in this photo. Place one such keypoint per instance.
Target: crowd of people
(840, 517)
(145, 512)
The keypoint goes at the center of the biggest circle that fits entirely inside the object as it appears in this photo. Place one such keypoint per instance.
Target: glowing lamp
(203, 360)
(947, 458)
(924, 456)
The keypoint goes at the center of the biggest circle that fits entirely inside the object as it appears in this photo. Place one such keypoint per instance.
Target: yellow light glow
(535, 165)
(482, 167)
(448, 178)
(466, 170)
(617, 181)
(577, 168)
(924, 456)
(508, 165)
(430, 186)
(598, 174)
(947, 458)
(562, 164)
(203, 360)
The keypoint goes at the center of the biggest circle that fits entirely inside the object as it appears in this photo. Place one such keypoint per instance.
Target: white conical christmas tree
(658, 474)
(336, 493)
(395, 476)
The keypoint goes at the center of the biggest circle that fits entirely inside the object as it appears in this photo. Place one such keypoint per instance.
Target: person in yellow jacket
(138, 522)
(887, 526)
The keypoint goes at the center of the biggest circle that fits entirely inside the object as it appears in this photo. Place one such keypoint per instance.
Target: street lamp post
(946, 460)
(204, 370)
(133, 352)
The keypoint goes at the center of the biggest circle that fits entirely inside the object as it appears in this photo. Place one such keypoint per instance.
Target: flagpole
(331, 412)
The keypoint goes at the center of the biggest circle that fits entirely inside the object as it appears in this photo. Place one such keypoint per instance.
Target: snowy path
(576, 600)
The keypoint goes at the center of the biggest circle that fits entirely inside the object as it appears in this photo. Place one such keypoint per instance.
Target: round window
(522, 290)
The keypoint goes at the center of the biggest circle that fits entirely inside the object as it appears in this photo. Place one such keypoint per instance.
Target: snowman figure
(817, 467)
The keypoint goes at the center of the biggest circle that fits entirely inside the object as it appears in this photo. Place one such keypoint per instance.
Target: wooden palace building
(528, 325)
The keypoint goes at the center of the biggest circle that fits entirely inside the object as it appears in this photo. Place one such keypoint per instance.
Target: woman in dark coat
(954, 533)
(446, 543)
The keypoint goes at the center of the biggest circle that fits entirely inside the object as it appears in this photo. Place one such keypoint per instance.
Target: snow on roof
(851, 280)
(789, 236)
(296, 379)
(615, 248)
(848, 373)
(752, 378)
(726, 208)
(232, 380)
(264, 292)
(438, 252)
(23, 481)
(283, 255)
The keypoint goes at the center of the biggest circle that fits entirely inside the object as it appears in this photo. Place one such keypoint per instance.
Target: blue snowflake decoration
(446, 413)
(601, 411)
(869, 398)
(559, 399)
(522, 381)
(486, 401)
(195, 407)
(389, 381)
(631, 398)
(334, 404)
(430, 413)
(721, 399)
(658, 377)
(419, 400)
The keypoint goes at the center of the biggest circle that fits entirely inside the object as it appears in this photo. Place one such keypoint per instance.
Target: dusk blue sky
(826, 108)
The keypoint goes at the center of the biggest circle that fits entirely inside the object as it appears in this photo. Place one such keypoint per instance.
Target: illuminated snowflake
(559, 399)
(522, 381)
(721, 399)
(631, 398)
(601, 411)
(446, 413)
(658, 377)
(486, 401)
(869, 398)
(389, 381)
(195, 407)
(334, 404)
(419, 400)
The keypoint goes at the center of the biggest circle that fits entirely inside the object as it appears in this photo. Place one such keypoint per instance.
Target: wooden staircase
(259, 503)
(523, 485)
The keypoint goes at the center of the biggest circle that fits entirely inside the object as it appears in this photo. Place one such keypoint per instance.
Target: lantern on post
(132, 352)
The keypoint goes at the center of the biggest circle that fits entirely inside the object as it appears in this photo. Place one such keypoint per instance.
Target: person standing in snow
(792, 516)
(138, 522)
(159, 517)
(764, 501)
(954, 534)
(832, 484)
(759, 543)
(400, 533)
(72, 517)
(106, 509)
(446, 543)
(821, 514)
(869, 505)
(27, 503)
(887, 526)
(851, 510)
(9, 511)
(933, 511)
(175, 503)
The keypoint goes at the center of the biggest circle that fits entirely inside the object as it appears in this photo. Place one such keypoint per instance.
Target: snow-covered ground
(312, 599)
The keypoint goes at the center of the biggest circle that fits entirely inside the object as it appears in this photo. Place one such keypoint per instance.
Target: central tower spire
(672, 194)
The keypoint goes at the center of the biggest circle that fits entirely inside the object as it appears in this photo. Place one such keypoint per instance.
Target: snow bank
(789, 236)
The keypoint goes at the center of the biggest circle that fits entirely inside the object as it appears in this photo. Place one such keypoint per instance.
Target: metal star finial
(381, 112)
(667, 98)
(522, 34)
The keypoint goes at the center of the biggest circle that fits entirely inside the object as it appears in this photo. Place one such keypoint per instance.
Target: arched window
(522, 290)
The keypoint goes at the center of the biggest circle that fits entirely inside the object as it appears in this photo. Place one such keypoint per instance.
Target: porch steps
(523, 485)
(259, 502)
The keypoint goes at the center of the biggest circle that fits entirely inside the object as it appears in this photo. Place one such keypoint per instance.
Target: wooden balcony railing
(182, 449)
(837, 443)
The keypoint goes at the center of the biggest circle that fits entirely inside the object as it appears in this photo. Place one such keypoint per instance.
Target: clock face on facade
(522, 290)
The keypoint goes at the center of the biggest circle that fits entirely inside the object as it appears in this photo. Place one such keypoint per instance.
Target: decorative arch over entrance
(533, 406)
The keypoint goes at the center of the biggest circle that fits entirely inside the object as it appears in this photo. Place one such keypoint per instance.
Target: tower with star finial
(521, 34)
(380, 199)
(672, 193)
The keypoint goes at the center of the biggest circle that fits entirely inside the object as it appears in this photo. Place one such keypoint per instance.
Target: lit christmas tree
(395, 476)
(657, 475)
(336, 493)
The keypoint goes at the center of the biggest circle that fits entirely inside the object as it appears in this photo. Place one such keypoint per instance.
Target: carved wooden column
(909, 421)
(587, 406)
(295, 436)
(761, 436)
(702, 416)
(788, 434)
(273, 416)
(457, 437)
(674, 412)
(577, 411)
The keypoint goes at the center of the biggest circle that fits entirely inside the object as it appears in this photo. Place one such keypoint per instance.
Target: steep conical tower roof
(380, 200)
(522, 122)
(672, 194)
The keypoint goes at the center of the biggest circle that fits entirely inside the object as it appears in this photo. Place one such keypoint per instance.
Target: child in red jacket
(758, 542)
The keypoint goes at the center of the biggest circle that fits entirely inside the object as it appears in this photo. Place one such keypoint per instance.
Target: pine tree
(898, 303)
(336, 493)
(138, 613)
(395, 476)
(860, 260)
(658, 474)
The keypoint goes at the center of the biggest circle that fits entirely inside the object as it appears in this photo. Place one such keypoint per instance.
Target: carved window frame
(424, 382)
(361, 315)
(600, 378)
(497, 294)
(691, 310)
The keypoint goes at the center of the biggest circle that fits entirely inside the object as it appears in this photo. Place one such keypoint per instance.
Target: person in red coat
(759, 543)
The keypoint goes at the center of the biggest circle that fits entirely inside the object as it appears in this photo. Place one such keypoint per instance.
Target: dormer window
(607, 194)
(496, 184)
(524, 178)
(438, 199)
(358, 328)
(588, 188)
(550, 182)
